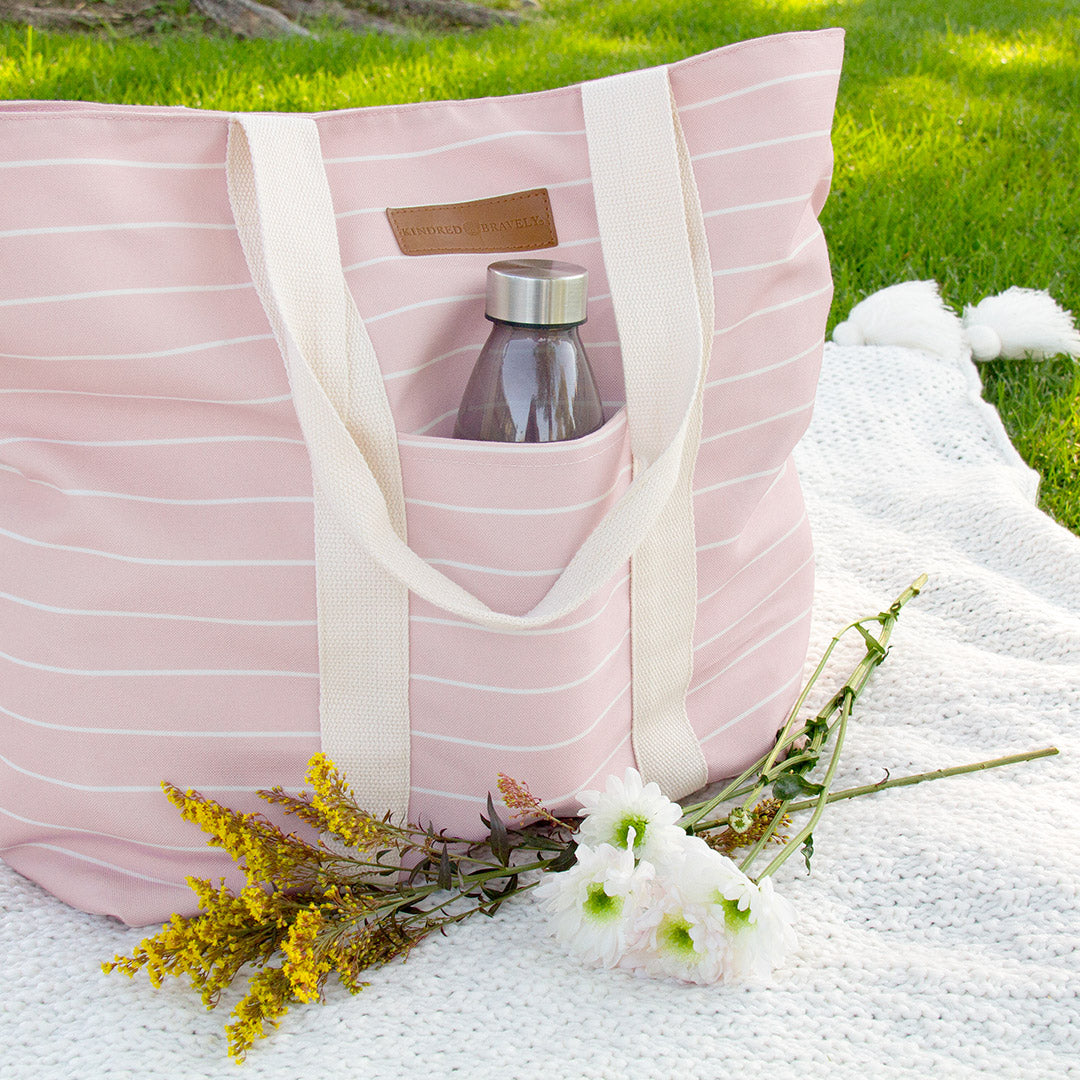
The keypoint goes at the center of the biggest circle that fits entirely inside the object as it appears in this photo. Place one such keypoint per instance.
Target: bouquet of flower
(639, 882)
(645, 895)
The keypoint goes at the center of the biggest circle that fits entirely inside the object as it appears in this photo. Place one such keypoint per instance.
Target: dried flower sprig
(319, 909)
(375, 889)
(745, 828)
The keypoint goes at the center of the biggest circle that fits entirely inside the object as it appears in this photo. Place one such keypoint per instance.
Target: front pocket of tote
(550, 706)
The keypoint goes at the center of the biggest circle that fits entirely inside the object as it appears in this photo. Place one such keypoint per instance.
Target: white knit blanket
(938, 931)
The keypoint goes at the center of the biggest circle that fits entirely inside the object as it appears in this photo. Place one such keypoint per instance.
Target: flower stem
(695, 812)
(876, 650)
(823, 799)
(918, 778)
(820, 737)
(765, 766)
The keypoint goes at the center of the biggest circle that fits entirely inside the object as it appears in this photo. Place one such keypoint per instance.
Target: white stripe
(586, 242)
(375, 262)
(53, 230)
(163, 734)
(140, 672)
(749, 652)
(382, 209)
(737, 480)
(506, 748)
(155, 499)
(495, 570)
(510, 690)
(584, 784)
(818, 235)
(541, 512)
(446, 146)
(545, 800)
(163, 290)
(764, 600)
(155, 562)
(428, 363)
(801, 137)
(99, 834)
(400, 257)
(131, 789)
(36, 162)
(788, 201)
(152, 397)
(614, 422)
(362, 210)
(95, 862)
(448, 795)
(753, 708)
(434, 423)
(779, 477)
(436, 301)
(154, 442)
(154, 615)
(719, 543)
(200, 347)
(761, 555)
(774, 307)
(526, 633)
(569, 183)
(423, 304)
(759, 423)
(764, 370)
(760, 86)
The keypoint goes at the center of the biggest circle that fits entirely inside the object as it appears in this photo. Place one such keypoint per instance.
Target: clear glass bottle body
(530, 384)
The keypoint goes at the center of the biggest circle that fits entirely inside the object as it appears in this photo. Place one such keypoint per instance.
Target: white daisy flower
(592, 905)
(673, 937)
(764, 944)
(632, 815)
(757, 923)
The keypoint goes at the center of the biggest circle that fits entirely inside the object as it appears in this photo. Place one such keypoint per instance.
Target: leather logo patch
(518, 222)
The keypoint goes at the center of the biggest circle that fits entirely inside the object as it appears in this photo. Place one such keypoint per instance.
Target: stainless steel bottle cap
(537, 292)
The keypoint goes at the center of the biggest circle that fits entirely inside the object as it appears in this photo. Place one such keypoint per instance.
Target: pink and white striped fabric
(157, 558)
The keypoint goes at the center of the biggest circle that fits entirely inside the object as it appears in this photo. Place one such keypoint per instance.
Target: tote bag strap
(662, 296)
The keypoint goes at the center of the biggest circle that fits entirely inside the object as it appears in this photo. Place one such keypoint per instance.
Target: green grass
(956, 139)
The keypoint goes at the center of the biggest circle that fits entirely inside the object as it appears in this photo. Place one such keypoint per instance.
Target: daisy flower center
(598, 905)
(735, 917)
(673, 935)
(623, 826)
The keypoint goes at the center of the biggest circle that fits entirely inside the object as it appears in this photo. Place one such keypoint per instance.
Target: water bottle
(532, 381)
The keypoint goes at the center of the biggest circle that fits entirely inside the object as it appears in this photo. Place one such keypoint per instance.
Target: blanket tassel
(1013, 324)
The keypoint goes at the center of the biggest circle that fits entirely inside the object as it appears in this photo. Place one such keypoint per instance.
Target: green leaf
(445, 878)
(506, 891)
(499, 841)
(564, 860)
(808, 851)
(872, 642)
(492, 893)
(534, 841)
(792, 785)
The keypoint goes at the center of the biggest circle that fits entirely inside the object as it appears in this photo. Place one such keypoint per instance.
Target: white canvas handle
(657, 260)
(282, 205)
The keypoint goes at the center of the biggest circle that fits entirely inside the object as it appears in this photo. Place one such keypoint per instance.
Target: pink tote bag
(234, 528)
